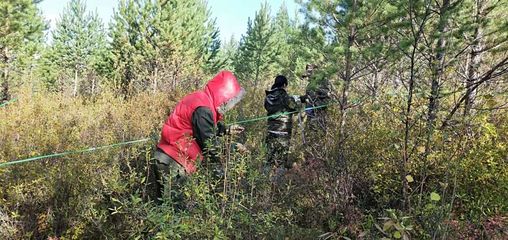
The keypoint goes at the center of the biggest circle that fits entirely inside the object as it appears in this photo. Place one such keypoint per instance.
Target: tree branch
(491, 74)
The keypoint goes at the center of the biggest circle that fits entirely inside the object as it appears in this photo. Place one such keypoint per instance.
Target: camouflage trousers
(278, 150)
(170, 178)
(277, 159)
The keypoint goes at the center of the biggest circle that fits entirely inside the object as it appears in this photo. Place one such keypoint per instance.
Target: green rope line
(278, 114)
(139, 140)
(71, 152)
(8, 102)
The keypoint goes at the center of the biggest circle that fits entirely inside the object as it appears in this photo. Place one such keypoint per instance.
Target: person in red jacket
(191, 131)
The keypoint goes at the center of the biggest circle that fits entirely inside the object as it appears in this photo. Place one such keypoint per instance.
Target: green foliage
(290, 60)
(257, 51)
(227, 53)
(20, 40)
(70, 195)
(77, 50)
(384, 163)
(485, 172)
(131, 46)
(155, 44)
(395, 226)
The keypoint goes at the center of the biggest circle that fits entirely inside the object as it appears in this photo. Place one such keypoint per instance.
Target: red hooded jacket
(177, 137)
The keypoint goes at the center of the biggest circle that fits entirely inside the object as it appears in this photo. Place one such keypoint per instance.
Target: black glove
(222, 129)
(303, 98)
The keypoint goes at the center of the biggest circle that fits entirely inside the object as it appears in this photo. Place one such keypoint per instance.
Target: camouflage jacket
(278, 101)
(317, 97)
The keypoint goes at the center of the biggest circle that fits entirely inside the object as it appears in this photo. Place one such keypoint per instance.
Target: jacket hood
(275, 93)
(224, 90)
(274, 90)
(275, 100)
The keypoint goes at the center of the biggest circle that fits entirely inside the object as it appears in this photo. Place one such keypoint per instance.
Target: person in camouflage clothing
(278, 101)
(318, 93)
(318, 96)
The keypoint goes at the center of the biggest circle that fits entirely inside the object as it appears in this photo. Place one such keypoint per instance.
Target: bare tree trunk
(405, 153)
(376, 82)
(345, 89)
(343, 184)
(175, 74)
(437, 77)
(437, 69)
(4, 94)
(93, 86)
(257, 72)
(127, 80)
(75, 90)
(497, 70)
(5, 88)
(474, 60)
(30, 78)
(155, 76)
(407, 121)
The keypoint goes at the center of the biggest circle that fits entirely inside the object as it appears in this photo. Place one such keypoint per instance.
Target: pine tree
(21, 27)
(282, 33)
(134, 45)
(486, 30)
(187, 28)
(353, 31)
(257, 50)
(78, 47)
(308, 47)
(357, 42)
(227, 53)
(288, 44)
(168, 41)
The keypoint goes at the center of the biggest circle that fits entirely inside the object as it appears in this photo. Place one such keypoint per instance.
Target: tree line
(420, 85)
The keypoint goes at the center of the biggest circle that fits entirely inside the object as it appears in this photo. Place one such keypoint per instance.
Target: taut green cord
(277, 115)
(138, 141)
(8, 102)
(71, 152)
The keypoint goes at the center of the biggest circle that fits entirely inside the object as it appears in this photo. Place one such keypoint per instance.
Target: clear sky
(231, 15)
